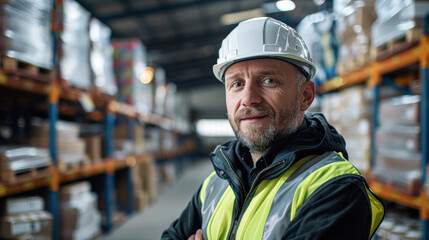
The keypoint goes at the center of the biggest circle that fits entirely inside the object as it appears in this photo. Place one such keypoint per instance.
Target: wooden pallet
(411, 189)
(19, 68)
(395, 46)
(10, 177)
(63, 167)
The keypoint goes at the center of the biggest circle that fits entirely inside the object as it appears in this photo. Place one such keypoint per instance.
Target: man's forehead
(260, 67)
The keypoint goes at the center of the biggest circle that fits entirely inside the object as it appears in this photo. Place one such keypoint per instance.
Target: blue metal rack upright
(129, 174)
(109, 175)
(424, 122)
(53, 191)
(375, 122)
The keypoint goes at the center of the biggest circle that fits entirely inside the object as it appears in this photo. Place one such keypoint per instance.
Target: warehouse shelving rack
(372, 76)
(107, 167)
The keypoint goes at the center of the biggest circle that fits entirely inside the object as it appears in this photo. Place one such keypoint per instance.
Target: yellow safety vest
(276, 201)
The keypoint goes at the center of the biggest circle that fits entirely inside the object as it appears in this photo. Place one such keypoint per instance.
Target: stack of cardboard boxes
(24, 218)
(350, 113)
(79, 215)
(399, 158)
(353, 30)
(70, 147)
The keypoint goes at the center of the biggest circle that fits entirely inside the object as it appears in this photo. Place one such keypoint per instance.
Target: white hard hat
(263, 37)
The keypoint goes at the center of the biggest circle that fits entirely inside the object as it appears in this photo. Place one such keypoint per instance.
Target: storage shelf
(396, 197)
(24, 84)
(74, 94)
(132, 160)
(106, 166)
(83, 172)
(10, 189)
(390, 64)
(353, 78)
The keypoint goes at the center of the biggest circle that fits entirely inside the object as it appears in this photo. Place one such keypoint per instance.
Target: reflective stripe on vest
(217, 200)
(275, 202)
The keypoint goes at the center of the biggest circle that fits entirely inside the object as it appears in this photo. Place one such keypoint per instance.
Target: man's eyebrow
(233, 75)
(269, 72)
(263, 73)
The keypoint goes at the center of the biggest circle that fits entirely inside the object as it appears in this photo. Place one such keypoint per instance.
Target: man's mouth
(252, 118)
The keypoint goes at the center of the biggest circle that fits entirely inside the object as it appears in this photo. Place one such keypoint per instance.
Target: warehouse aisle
(150, 224)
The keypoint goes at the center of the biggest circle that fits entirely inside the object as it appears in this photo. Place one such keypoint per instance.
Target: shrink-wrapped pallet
(20, 159)
(74, 64)
(395, 18)
(102, 57)
(317, 31)
(26, 31)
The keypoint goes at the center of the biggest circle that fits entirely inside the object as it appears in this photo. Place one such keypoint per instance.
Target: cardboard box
(400, 110)
(37, 224)
(74, 191)
(23, 205)
(78, 213)
(93, 147)
(399, 137)
(87, 231)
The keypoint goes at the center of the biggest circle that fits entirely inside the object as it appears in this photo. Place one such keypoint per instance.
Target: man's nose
(251, 95)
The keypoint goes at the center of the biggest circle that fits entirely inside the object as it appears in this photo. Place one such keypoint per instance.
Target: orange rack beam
(397, 197)
(83, 172)
(24, 84)
(9, 189)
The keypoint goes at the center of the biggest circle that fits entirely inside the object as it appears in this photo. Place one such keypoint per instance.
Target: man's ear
(308, 92)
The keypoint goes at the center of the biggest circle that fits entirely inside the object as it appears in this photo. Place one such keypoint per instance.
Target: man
(287, 175)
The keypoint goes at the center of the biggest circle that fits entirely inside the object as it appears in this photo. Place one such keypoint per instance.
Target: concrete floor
(149, 224)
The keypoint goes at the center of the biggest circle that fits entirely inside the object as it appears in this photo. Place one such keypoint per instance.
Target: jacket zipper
(234, 229)
(232, 169)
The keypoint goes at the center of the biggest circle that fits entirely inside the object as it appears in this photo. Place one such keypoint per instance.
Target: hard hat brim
(308, 68)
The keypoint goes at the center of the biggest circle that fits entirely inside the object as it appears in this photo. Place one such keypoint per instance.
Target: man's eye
(237, 84)
(268, 80)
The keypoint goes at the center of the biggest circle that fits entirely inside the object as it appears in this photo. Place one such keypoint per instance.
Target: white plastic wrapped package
(74, 63)
(27, 31)
(142, 94)
(102, 57)
(316, 30)
(22, 159)
(395, 18)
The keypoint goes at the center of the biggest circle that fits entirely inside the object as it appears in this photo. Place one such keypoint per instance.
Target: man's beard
(259, 140)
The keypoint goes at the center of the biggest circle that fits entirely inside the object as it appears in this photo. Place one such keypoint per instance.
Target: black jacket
(338, 211)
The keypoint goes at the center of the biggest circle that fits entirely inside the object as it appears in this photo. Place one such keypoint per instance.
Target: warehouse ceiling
(183, 36)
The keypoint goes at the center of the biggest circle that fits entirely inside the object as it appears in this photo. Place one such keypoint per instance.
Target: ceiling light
(319, 2)
(285, 5)
(147, 76)
(236, 17)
